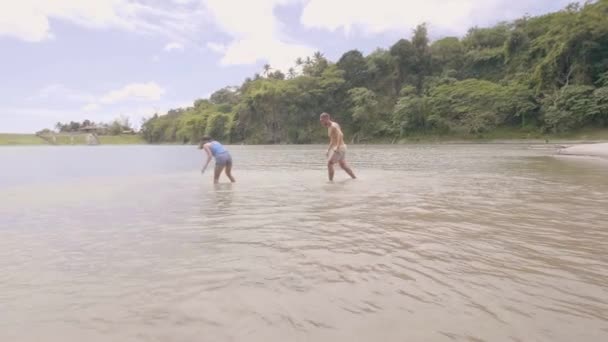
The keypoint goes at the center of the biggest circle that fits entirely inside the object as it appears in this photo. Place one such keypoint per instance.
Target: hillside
(533, 76)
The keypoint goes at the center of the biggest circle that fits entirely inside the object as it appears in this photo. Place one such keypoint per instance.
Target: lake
(432, 243)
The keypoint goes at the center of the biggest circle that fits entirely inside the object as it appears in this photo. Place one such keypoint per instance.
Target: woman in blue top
(222, 158)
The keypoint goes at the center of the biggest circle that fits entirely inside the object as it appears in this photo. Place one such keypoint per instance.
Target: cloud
(280, 55)
(256, 33)
(59, 91)
(149, 91)
(454, 16)
(29, 20)
(91, 107)
(141, 91)
(216, 47)
(174, 46)
(30, 119)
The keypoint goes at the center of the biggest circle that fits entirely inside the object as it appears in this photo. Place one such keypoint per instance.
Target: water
(432, 243)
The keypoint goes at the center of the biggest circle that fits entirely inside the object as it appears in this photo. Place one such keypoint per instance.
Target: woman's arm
(209, 156)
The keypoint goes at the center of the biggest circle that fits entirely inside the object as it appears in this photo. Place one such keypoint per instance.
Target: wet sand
(589, 150)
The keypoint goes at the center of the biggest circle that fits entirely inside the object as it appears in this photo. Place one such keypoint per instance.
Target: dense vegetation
(536, 74)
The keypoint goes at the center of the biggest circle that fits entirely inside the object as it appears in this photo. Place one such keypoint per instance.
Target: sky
(64, 60)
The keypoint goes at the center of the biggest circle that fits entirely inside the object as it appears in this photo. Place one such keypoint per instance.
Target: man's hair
(324, 115)
(206, 138)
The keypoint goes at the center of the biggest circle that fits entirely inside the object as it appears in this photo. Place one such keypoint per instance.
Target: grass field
(121, 140)
(20, 139)
(77, 139)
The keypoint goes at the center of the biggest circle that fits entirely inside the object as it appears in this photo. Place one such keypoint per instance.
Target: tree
(277, 75)
(317, 56)
(570, 108)
(477, 106)
(410, 113)
(381, 72)
(422, 64)
(546, 73)
(404, 56)
(291, 73)
(217, 126)
(316, 66)
(447, 55)
(364, 111)
(355, 68)
(74, 126)
(226, 95)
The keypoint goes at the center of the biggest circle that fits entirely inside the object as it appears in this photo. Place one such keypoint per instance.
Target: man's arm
(333, 138)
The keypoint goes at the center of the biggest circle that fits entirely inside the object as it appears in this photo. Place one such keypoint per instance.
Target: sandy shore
(591, 150)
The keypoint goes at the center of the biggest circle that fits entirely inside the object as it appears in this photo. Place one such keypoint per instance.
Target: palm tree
(299, 61)
(308, 61)
(291, 73)
(267, 69)
(277, 75)
(318, 56)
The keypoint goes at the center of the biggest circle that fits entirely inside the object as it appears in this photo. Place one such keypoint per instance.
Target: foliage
(547, 73)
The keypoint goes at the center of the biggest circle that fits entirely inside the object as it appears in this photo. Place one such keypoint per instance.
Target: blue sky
(65, 60)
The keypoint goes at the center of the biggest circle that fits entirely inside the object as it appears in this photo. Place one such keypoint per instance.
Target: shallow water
(431, 243)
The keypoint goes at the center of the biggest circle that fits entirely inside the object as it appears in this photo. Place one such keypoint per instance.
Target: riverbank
(588, 136)
(587, 150)
(506, 136)
(15, 139)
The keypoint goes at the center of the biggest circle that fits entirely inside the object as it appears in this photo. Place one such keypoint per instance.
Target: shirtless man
(336, 152)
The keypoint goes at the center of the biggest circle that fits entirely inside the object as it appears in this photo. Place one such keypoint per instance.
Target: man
(336, 152)
(223, 159)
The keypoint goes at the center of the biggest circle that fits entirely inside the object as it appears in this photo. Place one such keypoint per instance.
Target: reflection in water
(431, 243)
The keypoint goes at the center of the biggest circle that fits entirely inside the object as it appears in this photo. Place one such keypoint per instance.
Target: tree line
(546, 74)
(116, 127)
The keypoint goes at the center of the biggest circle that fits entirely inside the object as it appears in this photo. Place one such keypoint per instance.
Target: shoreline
(562, 143)
(17, 139)
(598, 150)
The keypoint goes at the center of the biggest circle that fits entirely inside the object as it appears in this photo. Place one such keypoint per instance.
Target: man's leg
(346, 168)
(330, 170)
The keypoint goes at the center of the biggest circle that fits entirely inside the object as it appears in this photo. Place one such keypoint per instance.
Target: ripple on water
(431, 243)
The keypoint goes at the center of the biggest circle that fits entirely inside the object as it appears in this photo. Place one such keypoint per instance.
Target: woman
(222, 158)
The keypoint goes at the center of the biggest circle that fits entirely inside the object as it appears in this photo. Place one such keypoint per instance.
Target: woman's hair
(204, 140)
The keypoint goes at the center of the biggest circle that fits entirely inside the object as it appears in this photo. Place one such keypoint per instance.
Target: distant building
(91, 129)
